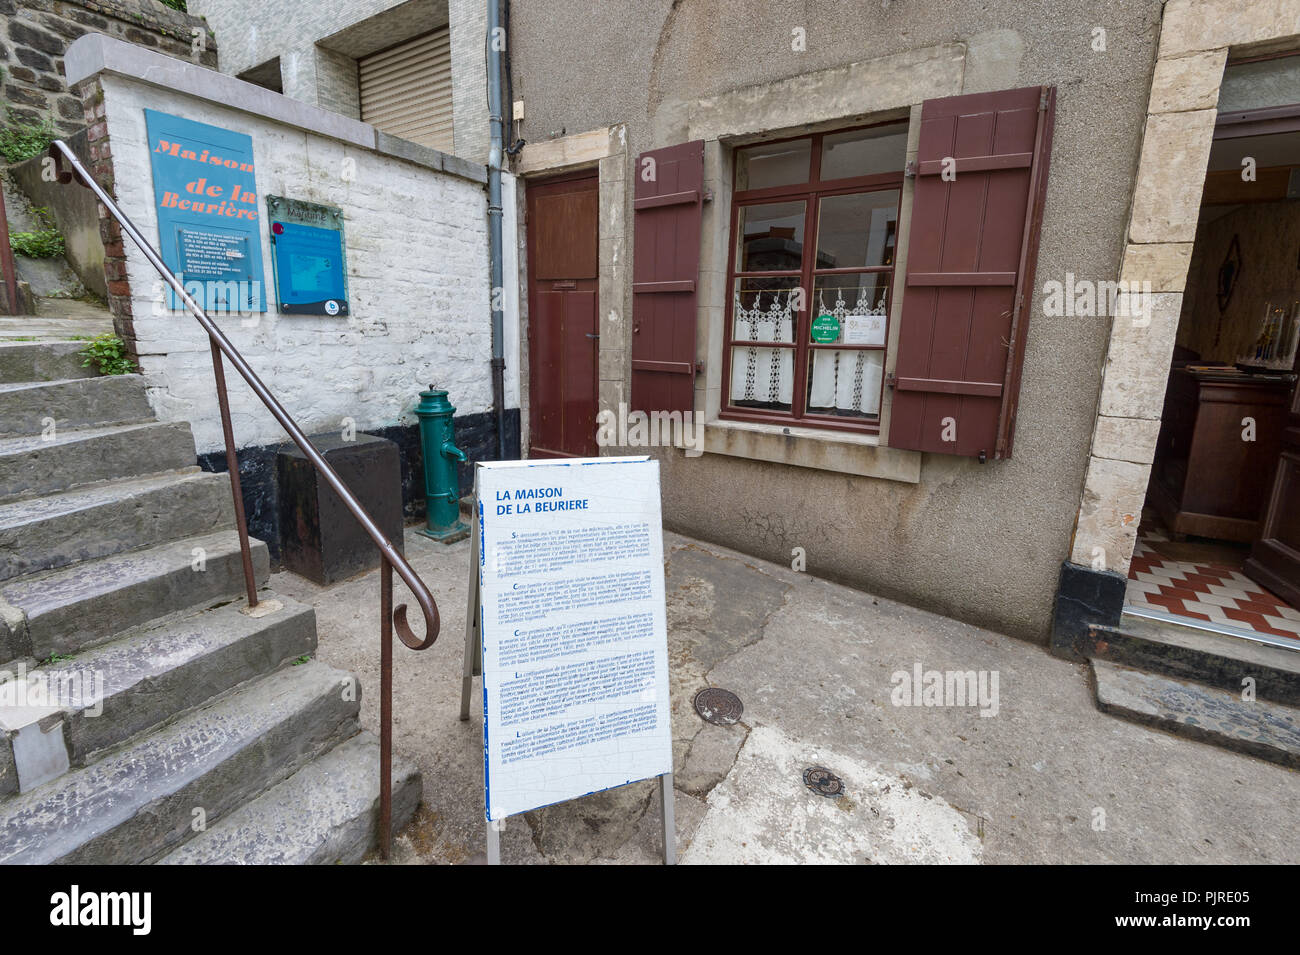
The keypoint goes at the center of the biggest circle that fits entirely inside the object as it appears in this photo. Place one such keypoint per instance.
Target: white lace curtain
(847, 380)
(764, 374)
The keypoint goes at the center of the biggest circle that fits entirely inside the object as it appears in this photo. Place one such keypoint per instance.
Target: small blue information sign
(308, 257)
(205, 191)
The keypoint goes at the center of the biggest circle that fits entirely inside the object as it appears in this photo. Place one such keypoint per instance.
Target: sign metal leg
(472, 650)
(670, 827)
(467, 680)
(494, 841)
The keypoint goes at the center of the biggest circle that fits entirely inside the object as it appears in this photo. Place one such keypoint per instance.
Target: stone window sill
(812, 448)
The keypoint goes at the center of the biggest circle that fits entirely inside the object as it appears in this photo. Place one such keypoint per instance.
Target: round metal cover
(822, 781)
(717, 706)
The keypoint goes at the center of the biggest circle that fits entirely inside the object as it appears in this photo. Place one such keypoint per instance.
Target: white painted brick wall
(417, 280)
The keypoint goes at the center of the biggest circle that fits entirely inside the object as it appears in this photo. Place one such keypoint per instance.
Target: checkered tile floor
(1218, 594)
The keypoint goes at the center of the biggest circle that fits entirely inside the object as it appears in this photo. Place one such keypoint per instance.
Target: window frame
(810, 193)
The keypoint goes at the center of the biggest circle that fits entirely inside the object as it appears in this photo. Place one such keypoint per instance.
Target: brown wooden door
(1275, 559)
(562, 317)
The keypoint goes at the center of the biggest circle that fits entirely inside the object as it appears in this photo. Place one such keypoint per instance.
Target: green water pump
(441, 487)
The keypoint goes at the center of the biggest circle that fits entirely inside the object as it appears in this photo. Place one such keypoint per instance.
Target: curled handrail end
(420, 591)
(432, 624)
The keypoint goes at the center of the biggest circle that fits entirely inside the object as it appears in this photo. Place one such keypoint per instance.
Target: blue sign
(308, 257)
(205, 191)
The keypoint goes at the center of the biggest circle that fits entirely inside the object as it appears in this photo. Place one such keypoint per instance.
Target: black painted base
(476, 435)
(320, 539)
(1084, 598)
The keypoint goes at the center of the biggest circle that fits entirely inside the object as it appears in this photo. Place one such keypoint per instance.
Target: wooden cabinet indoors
(1209, 480)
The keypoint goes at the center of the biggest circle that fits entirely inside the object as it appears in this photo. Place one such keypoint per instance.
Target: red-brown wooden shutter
(665, 264)
(970, 270)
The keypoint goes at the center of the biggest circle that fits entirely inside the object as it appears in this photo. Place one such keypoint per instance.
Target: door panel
(566, 240)
(1275, 558)
(562, 308)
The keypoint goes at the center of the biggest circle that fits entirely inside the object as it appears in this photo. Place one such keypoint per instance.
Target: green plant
(56, 658)
(301, 660)
(23, 140)
(45, 244)
(175, 5)
(107, 352)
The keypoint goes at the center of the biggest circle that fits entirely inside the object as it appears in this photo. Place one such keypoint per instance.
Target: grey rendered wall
(980, 542)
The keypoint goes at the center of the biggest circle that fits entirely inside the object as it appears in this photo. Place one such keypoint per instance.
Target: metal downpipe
(495, 248)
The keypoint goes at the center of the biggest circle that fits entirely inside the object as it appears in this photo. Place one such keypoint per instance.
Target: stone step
(62, 714)
(141, 801)
(43, 533)
(52, 406)
(32, 464)
(1260, 728)
(326, 813)
(1186, 653)
(68, 610)
(42, 361)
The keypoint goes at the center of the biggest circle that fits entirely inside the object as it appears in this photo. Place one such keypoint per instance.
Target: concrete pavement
(824, 672)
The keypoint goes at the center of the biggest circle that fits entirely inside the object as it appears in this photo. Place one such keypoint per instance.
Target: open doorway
(1219, 542)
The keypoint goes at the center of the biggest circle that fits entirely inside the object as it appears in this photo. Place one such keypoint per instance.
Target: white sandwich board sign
(567, 591)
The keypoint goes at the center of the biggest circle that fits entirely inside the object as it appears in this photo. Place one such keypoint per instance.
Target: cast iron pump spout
(441, 484)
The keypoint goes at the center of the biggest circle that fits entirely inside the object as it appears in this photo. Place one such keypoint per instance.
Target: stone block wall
(34, 35)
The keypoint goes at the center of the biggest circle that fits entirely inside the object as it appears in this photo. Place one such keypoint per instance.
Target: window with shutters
(813, 242)
(810, 273)
(406, 90)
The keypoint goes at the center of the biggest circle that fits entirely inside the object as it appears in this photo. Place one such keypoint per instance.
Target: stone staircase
(175, 725)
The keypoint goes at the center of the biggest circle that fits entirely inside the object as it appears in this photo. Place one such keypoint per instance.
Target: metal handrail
(391, 557)
(7, 267)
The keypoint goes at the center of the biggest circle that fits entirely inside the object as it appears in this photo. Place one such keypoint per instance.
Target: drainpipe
(494, 223)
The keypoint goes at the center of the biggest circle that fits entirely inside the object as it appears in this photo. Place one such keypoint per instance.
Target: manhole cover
(720, 707)
(822, 781)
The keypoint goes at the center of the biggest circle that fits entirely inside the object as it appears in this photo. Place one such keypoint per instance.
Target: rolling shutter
(981, 175)
(406, 90)
(666, 263)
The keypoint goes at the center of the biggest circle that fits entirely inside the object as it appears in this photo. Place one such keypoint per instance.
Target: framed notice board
(567, 612)
(308, 257)
(205, 193)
